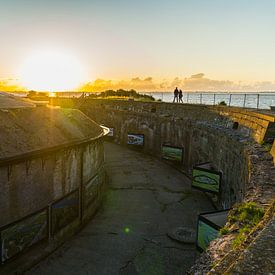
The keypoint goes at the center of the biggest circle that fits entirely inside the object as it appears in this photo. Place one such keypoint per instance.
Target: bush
(124, 93)
(32, 93)
(247, 216)
(224, 231)
(222, 103)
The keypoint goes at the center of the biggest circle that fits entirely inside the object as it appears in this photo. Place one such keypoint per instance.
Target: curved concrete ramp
(146, 199)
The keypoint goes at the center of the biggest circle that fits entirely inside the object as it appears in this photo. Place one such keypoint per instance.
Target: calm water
(264, 100)
(250, 100)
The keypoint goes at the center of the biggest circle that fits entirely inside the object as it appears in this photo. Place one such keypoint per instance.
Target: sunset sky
(142, 44)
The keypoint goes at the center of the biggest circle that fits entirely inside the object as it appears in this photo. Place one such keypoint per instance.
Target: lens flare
(51, 71)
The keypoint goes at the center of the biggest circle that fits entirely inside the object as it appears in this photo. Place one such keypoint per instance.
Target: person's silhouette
(176, 94)
(180, 96)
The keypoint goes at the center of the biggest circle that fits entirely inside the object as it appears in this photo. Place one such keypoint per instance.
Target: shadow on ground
(146, 199)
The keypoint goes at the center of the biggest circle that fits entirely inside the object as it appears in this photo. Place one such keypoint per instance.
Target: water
(251, 100)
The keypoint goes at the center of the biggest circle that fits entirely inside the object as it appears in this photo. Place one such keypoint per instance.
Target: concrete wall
(205, 136)
(273, 152)
(259, 125)
(35, 183)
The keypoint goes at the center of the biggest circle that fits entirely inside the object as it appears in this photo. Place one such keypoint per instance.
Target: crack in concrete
(138, 188)
(131, 261)
(168, 247)
(168, 190)
(142, 249)
(163, 206)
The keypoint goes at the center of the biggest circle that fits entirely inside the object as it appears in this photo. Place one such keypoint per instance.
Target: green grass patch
(246, 216)
(224, 231)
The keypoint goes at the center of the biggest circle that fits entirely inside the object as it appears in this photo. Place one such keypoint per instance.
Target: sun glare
(51, 71)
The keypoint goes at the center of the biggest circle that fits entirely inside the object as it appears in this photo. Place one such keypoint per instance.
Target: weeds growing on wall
(243, 218)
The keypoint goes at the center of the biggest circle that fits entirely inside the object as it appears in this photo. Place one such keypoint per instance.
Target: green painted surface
(206, 234)
(171, 153)
(23, 234)
(206, 180)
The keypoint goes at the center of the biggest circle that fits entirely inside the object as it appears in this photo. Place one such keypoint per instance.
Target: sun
(50, 70)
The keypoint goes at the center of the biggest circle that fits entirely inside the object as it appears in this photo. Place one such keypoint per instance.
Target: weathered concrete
(206, 134)
(25, 130)
(259, 256)
(260, 124)
(8, 101)
(45, 154)
(272, 151)
(145, 200)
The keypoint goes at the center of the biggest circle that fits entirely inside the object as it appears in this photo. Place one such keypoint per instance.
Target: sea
(261, 100)
(247, 100)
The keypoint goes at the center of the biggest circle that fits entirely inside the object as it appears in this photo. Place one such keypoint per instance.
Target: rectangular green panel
(135, 139)
(23, 234)
(206, 180)
(91, 191)
(206, 234)
(65, 211)
(171, 153)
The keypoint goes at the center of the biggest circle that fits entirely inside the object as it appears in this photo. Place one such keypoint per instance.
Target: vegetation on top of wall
(242, 220)
(222, 103)
(267, 146)
(38, 95)
(122, 94)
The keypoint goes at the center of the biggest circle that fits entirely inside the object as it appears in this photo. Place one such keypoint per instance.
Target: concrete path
(146, 199)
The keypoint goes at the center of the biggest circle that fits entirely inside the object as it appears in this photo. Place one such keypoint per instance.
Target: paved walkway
(146, 199)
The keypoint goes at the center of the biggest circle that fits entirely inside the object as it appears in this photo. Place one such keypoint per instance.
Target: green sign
(23, 234)
(172, 153)
(206, 234)
(206, 180)
(65, 211)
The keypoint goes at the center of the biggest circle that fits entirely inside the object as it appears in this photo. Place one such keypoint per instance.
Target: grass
(224, 231)
(266, 145)
(246, 216)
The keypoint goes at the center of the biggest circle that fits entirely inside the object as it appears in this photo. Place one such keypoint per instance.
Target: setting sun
(51, 71)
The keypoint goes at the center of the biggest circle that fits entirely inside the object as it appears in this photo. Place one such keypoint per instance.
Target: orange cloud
(196, 82)
(10, 85)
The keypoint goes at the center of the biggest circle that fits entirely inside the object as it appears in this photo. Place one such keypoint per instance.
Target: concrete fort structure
(235, 141)
(51, 178)
(52, 170)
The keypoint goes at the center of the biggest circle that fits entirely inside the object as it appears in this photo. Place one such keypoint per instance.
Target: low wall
(260, 126)
(205, 137)
(42, 186)
(273, 152)
(206, 134)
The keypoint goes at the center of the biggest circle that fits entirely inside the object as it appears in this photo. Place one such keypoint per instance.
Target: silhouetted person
(180, 96)
(176, 94)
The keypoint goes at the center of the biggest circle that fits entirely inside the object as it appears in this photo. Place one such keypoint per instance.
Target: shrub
(224, 231)
(247, 216)
(222, 103)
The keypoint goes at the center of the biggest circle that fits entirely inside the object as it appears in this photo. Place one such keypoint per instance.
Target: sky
(145, 44)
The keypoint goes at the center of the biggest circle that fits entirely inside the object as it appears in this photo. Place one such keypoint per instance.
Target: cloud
(196, 82)
(146, 84)
(10, 85)
(200, 75)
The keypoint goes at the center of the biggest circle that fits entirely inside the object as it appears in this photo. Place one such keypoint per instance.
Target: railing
(261, 100)
(245, 100)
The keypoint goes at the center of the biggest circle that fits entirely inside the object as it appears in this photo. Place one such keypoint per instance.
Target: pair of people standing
(177, 95)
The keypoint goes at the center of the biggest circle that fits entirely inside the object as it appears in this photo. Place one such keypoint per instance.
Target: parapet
(26, 129)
